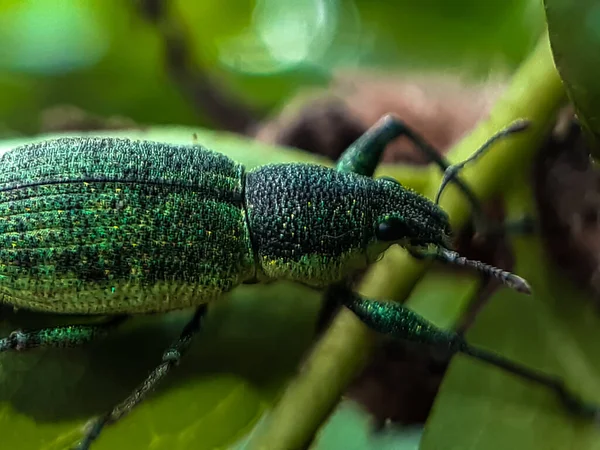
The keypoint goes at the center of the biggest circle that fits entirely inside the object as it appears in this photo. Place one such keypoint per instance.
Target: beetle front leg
(63, 336)
(171, 357)
(364, 155)
(451, 171)
(399, 322)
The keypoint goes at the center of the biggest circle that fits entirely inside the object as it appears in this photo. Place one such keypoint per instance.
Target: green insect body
(103, 226)
(109, 226)
(119, 227)
(317, 225)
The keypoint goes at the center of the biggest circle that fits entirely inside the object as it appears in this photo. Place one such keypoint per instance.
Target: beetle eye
(392, 229)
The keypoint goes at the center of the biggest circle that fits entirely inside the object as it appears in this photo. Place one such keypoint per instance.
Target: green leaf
(250, 344)
(573, 29)
(556, 330)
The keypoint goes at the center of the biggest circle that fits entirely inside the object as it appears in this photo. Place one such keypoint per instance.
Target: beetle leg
(63, 336)
(397, 321)
(451, 171)
(363, 156)
(170, 358)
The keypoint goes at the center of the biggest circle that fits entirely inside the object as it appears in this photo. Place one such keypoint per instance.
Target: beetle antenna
(507, 278)
(452, 171)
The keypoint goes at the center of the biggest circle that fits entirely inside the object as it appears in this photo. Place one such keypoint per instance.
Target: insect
(105, 226)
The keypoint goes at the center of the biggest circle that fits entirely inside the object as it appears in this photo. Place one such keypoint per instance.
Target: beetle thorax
(308, 222)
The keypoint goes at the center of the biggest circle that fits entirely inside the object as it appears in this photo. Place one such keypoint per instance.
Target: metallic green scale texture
(108, 226)
(317, 225)
(105, 226)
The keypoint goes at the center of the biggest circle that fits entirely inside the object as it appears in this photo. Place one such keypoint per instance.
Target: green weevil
(106, 226)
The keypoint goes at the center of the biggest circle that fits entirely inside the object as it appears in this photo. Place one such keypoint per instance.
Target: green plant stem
(535, 93)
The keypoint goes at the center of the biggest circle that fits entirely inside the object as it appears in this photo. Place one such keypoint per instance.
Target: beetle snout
(432, 225)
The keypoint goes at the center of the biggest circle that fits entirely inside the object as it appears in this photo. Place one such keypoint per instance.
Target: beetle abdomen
(103, 225)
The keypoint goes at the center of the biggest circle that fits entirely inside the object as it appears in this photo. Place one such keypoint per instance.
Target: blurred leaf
(556, 330)
(43, 37)
(250, 345)
(471, 36)
(575, 38)
(117, 67)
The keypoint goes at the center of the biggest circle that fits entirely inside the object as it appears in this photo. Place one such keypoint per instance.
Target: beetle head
(402, 216)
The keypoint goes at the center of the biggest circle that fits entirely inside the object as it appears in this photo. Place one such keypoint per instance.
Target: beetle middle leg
(399, 322)
(171, 357)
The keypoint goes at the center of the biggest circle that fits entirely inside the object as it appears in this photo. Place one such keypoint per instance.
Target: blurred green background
(107, 58)
(104, 57)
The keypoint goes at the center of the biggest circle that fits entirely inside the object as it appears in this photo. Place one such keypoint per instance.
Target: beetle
(115, 227)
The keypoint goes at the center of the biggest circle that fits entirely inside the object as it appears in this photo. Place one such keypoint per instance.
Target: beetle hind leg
(170, 358)
(62, 336)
